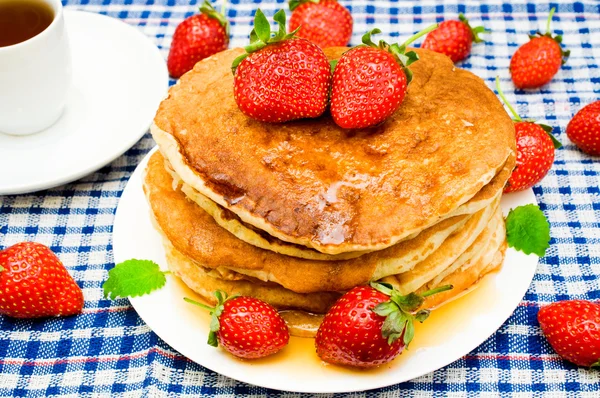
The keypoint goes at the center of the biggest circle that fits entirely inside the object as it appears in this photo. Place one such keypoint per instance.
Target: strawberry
(324, 22)
(535, 150)
(584, 129)
(536, 62)
(454, 38)
(370, 81)
(572, 328)
(34, 283)
(245, 327)
(196, 38)
(370, 325)
(280, 77)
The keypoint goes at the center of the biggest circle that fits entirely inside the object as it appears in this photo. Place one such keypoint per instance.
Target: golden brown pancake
(311, 183)
(195, 234)
(252, 235)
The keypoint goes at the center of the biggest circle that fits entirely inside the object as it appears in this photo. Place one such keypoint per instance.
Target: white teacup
(35, 76)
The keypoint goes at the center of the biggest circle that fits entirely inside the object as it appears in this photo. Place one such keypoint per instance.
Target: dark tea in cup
(20, 20)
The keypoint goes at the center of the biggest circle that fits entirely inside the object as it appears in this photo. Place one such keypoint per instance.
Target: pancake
(195, 234)
(314, 184)
(249, 234)
(481, 241)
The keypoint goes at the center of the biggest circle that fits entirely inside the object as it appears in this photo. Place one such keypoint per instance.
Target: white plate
(119, 79)
(451, 331)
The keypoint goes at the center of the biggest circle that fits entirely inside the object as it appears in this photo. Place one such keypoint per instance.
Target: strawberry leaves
(399, 312)
(475, 31)
(133, 278)
(557, 38)
(398, 51)
(261, 35)
(528, 230)
(215, 313)
(207, 9)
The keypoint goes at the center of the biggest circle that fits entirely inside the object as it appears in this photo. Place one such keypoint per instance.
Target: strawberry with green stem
(370, 81)
(536, 62)
(535, 150)
(370, 325)
(246, 327)
(280, 77)
(198, 37)
(454, 38)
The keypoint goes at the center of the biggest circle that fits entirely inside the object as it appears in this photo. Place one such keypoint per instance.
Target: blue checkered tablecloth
(109, 351)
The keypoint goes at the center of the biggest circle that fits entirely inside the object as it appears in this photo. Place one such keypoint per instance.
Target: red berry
(572, 328)
(34, 283)
(246, 327)
(535, 155)
(369, 326)
(351, 332)
(368, 86)
(324, 22)
(584, 129)
(285, 79)
(536, 62)
(196, 38)
(453, 38)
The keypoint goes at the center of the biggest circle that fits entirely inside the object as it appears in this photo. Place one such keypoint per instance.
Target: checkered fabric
(109, 351)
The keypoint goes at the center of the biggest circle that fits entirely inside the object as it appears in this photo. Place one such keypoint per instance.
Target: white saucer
(451, 331)
(119, 79)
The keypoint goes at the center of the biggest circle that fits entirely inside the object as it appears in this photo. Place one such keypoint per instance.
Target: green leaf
(595, 364)
(366, 39)
(548, 130)
(409, 332)
(279, 17)
(2, 268)
(133, 278)
(528, 230)
(261, 26)
(408, 303)
(332, 64)
(385, 308)
(422, 315)
(207, 9)
(212, 339)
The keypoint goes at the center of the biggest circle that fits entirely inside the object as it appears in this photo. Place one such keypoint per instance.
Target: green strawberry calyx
(207, 9)
(261, 35)
(400, 311)
(516, 118)
(215, 313)
(296, 3)
(558, 38)
(476, 30)
(398, 51)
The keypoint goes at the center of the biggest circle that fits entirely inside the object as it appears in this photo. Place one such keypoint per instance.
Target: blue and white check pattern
(108, 351)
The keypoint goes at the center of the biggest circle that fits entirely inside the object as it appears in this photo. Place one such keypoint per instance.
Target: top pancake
(312, 183)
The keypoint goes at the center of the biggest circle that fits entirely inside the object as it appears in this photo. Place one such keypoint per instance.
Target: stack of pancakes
(298, 213)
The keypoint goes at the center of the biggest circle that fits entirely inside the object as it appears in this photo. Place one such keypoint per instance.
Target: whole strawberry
(536, 62)
(370, 81)
(34, 283)
(280, 77)
(584, 129)
(454, 38)
(370, 325)
(245, 327)
(535, 150)
(196, 38)
(572, 328)
(324, 22)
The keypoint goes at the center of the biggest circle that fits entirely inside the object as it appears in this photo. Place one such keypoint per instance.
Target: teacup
(35, 77)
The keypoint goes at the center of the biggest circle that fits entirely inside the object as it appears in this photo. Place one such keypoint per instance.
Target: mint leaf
(133, 278)
(528, 230)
